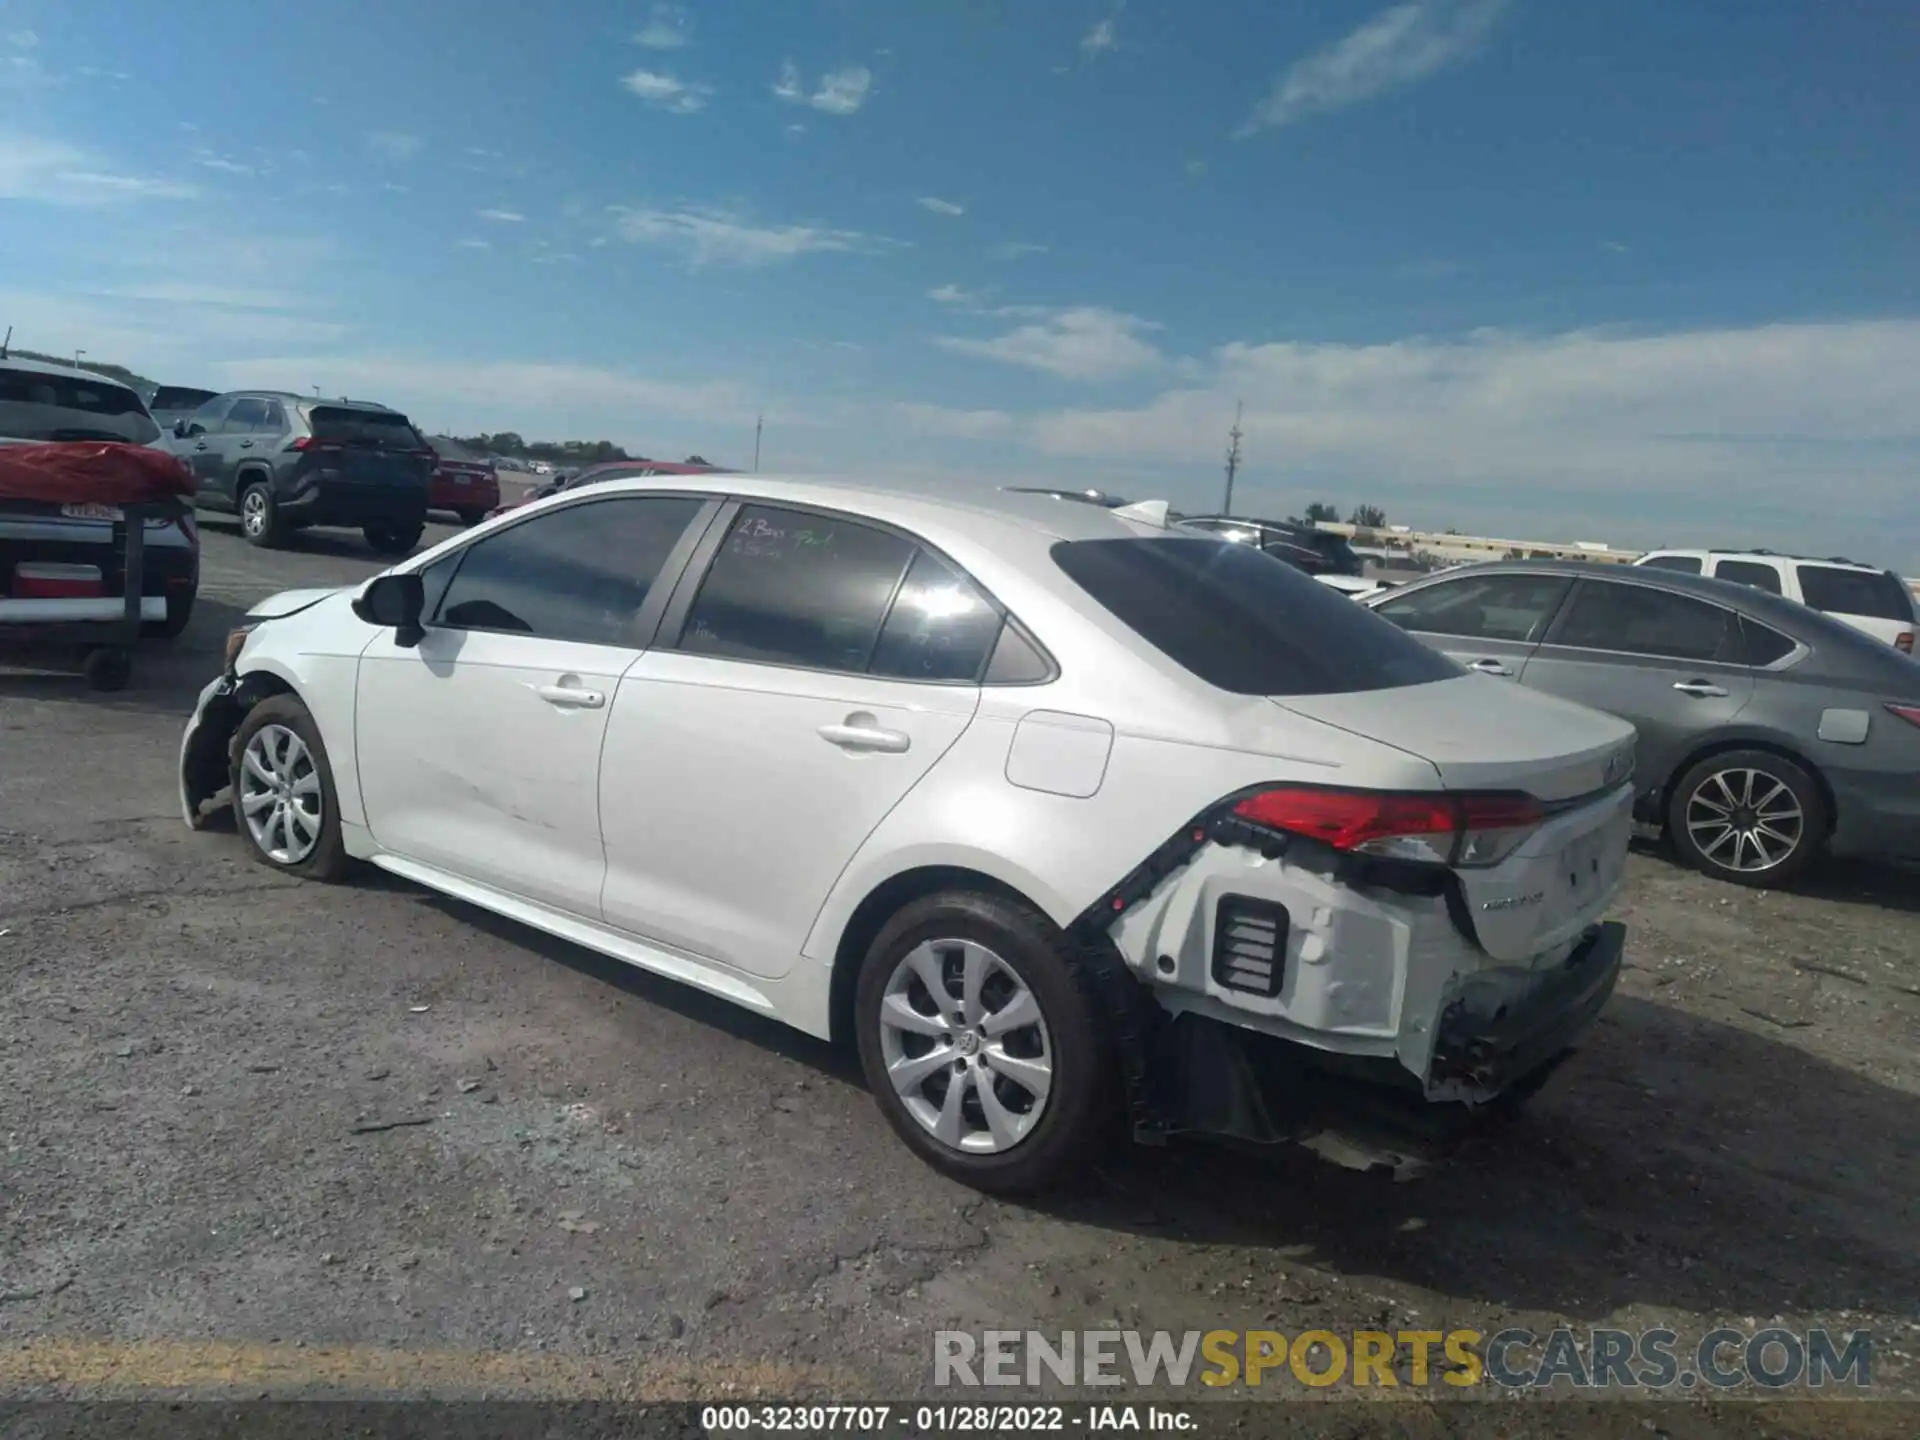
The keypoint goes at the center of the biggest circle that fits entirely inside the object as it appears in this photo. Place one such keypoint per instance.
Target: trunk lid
(1483, 734)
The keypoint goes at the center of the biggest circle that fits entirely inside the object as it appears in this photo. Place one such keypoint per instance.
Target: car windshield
(386, 429)
(1245, 622)
(35, 405)
(180, 397)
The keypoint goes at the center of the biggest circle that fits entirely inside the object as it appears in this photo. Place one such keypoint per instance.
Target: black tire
(179, 612)
(471, 517)
(327, 860)
(108, 668)
(393, 539)
(1697, 799)
(1081, 1110)
(260, 519)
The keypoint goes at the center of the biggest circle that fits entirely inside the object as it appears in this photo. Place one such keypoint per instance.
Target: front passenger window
(579, 574)
(1481, 607)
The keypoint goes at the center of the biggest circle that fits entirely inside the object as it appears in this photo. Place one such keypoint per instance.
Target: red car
(612, 470)
(466, 487)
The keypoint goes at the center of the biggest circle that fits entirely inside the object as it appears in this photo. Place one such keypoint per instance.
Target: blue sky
(1641, 271)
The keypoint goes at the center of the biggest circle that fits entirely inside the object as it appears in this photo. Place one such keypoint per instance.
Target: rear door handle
(863, 732)
(570, 697)
(201, 446)
(246, 444)
(1489, 667)
(1699, 689)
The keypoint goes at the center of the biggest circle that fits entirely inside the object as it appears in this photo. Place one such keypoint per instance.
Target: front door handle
(1489, 667)
(201, 446)
(1699, 689)
(570, 697)
(863, 733)
(246, 444)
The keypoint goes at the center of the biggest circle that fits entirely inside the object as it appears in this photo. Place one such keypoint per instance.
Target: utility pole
(758, 423)
(1233, 458)
(76, 358)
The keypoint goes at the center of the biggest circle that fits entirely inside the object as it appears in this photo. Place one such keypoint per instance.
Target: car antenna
(6, 342)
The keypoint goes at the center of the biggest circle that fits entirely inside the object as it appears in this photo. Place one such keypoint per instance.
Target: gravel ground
(281, 1138)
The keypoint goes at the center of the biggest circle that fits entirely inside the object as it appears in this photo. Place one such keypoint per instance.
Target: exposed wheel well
(874, 912)
(1722, 747)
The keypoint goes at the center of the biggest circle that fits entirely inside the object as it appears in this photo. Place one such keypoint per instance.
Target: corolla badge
(1514, 902)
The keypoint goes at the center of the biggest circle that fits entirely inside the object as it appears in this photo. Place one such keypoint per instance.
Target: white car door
(479, 748)
(820, 671)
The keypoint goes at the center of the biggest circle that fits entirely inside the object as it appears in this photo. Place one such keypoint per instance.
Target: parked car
(599, 474)
(1877, 602)
(170, 404)
(1768, 732)
(50, 402)
(1305, 547)
(462, 484)
(283, 462)
(984, 791)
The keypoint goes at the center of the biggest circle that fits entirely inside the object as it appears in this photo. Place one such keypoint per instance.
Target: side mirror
(395, 602)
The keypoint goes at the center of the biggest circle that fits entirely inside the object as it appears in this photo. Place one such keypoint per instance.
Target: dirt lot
(618, 1186)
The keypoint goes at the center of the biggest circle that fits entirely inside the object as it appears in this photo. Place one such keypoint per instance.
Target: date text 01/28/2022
(940, 1419)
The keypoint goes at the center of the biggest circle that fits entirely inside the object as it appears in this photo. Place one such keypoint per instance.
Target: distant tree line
(1368, 517)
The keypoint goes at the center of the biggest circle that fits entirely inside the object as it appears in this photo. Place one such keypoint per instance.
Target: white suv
(1041, 806)
(1875, 602)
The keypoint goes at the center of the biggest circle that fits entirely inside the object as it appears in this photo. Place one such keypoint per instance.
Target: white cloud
(938, 420)
(474, 242)
(55, 173)
(953, 295)
(1078, 343)
(1015, 249)
(668, 92)
(1802, 433)
(1099, 39)
(938, 206)
(509, 217)
(669, 27)
(1398, 47)
(840, 92)
(209, 161)
(712, 236)
(395, 145)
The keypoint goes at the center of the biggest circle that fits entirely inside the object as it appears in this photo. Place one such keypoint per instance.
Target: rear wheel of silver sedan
(983, 1045)
(1749, 817)
(283, 796)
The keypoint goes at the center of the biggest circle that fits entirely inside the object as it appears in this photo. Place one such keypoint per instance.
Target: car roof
(1765, 556)
(978, 513)
(312, 401)
(69, 372)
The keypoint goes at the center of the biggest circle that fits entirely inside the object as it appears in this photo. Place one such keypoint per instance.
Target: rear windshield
(1245, 622)
(1855, 592)
(180, 397)
(387, 429)
(38, 406)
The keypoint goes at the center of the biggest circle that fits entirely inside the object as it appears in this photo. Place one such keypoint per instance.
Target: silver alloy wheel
(280, 794)
(966, 1046)
(1745, 820)
(253, 511)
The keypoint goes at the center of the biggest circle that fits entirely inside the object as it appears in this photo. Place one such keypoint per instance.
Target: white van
(1876, 602)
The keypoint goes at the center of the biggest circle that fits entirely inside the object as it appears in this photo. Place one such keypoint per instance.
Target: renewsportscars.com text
(1657, 1359)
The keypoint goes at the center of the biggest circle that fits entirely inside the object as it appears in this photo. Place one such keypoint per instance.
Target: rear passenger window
(1639, 620)
(1685, 564)
(940, 628)
(793, 588)
(577, 574)
(1876, 595)
(1748, 572)
(1762, 645)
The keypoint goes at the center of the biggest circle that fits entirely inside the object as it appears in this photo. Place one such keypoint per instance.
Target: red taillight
(1450, 829)
(1908, 713)
(1903, 642)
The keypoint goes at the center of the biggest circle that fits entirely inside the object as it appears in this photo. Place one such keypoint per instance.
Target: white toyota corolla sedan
(1060, 815)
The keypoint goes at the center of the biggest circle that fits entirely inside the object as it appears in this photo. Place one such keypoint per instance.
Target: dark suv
(1305, 547)
(283, 462)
